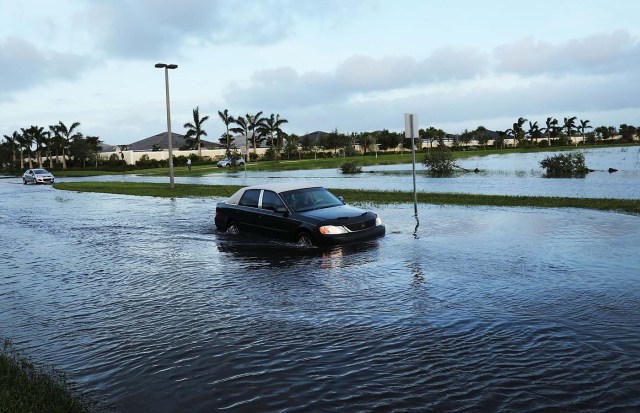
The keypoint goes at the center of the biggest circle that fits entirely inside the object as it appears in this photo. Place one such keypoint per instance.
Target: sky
(350, 65)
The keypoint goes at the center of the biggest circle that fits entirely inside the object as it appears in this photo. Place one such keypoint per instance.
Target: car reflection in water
(264, 252)
(306, 215)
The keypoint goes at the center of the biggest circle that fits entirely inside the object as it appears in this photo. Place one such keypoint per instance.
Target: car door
(247, 212)
(274, 218)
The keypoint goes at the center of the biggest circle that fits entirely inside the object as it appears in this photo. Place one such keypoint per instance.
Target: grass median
(26, 387)
(627, 206)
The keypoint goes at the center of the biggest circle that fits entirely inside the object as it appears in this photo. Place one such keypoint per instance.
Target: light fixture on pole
(166, 68)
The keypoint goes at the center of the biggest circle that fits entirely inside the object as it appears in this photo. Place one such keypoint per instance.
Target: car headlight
(378, 221)
(332, 230)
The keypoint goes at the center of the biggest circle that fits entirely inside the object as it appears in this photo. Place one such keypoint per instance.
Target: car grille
(360, 226)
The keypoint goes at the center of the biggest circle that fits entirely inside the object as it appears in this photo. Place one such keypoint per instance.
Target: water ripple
(149, 308)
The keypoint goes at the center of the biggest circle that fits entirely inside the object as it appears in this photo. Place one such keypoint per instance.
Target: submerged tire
(304, 239)
(232, 228)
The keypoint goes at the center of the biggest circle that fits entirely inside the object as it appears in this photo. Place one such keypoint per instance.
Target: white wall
(131, 157)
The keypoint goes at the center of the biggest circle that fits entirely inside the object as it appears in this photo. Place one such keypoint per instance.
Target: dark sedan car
(296, 213)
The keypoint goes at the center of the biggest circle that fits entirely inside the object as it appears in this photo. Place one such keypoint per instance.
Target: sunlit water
(504, 174)
(148, 308)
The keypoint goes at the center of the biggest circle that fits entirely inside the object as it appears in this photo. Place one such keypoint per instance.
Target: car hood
(342, 212)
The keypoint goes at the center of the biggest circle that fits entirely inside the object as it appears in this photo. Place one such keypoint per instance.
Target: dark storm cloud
(25, 66)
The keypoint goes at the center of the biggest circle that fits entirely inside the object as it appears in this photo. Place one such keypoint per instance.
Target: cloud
(472, 107)
(26, 66)
(596, 54)
(141, 29)
(446, 83)
(284, 87)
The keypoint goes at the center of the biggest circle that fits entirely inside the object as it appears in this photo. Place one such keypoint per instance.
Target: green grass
(24, 387)
(628, 206)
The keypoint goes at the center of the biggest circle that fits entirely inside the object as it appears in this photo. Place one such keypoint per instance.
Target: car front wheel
(304, 239)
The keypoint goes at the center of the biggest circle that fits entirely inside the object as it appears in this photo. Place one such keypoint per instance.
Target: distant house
(160, 142)
(239, 142)
(314, 137)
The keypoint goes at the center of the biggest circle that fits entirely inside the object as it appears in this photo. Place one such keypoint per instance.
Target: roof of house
(160, 141)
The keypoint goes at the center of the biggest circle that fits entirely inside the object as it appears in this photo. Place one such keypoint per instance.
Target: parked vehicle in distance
(37, 176)
(306, 215)
(228, 162)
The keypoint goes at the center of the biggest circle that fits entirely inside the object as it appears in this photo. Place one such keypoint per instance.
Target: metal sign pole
(410, 131)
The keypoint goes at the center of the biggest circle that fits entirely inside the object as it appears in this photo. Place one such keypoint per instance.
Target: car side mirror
(341, 198)
(282, 210)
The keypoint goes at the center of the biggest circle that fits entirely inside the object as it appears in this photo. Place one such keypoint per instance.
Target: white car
(37, 176)
(227, 162)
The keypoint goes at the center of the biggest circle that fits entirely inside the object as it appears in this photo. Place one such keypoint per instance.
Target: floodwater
(148, 308)
(503, 174)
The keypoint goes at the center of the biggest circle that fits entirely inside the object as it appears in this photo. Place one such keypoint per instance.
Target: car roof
(277, 188)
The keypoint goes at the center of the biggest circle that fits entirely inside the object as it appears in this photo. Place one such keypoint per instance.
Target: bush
(350, 168)
(270, 154)
(440, 161)
(565, 165)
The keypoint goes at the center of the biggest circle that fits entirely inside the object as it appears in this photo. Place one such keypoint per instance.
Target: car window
(271, 201)
(309, 199)
(250, 198)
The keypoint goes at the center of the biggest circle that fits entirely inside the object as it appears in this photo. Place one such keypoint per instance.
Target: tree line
(68, 144)
(58, 141)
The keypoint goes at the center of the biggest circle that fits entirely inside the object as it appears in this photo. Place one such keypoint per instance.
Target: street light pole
(166, 68)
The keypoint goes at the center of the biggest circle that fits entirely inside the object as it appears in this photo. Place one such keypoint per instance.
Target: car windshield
(302, 200)
(40, 171)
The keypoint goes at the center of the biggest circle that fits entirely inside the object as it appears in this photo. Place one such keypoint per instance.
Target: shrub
(270, 154)
(565, 165)
(440, 161)
(350, 168)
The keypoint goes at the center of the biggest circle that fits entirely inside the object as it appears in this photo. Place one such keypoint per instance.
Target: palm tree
(55, 141)
(27, 141)
(195, 129)
(551, 127)
(64, 138)
(243, 127)
(40, 139)
(49, 145)
(516, 132)
(584, 125)
(228, 120)
(256, 124)
(534, 131)
(13, 142)
(569, 125)
(271, 127)
(279, 132)
(94, 146)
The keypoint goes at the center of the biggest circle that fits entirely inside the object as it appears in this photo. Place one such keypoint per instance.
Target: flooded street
(148, 308)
